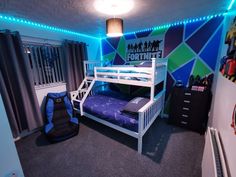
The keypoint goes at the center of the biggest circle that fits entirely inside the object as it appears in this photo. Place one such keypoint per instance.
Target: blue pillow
(133, 106)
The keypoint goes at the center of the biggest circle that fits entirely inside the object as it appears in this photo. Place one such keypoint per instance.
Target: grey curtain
(16, 85)
(74, 55)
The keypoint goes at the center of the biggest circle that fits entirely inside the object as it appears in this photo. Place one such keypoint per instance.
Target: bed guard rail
(150, 111)
(89, 67)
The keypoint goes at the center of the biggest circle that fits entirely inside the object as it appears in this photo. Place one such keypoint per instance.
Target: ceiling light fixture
(114, 27)
(114, 7)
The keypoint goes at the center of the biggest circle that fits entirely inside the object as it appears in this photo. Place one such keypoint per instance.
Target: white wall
(222, 108)
(9, 161)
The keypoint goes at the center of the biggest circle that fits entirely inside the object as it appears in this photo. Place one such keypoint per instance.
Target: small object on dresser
(198, 88)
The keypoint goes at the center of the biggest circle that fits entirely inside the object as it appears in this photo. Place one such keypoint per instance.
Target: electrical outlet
(12, 174)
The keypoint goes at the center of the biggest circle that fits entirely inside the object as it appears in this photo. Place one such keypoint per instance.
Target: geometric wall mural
(190, 49)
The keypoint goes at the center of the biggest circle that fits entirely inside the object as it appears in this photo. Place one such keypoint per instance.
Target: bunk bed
(107, 107)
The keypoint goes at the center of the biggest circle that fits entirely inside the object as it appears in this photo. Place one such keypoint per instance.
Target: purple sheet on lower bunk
(109, 108)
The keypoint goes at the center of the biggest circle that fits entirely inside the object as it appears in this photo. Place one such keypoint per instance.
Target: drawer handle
(186, 109)
(186, 101)
(183, 122)
(188, 94)
(184, 115)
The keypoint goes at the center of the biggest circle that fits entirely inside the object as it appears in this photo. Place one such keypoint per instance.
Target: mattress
(108, 106)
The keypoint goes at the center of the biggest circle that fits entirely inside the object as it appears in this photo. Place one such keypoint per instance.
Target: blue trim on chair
(57, 95)
(48, 127)
(74, 120)
(49, 110)
(49, 113)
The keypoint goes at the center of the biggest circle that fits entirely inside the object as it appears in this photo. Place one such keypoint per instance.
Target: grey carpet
(99, 151)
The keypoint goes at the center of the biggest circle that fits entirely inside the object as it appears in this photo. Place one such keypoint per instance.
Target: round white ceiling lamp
(114, 7)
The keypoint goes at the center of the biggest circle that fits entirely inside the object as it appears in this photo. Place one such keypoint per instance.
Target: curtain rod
(28, 43)
(39, 40)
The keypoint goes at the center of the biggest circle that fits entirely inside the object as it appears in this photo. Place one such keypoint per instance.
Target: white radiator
(213, 162)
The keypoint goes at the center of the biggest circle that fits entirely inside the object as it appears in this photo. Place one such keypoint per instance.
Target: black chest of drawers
(189, 109)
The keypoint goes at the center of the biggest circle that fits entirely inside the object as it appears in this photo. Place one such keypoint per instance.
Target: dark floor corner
(99, 151)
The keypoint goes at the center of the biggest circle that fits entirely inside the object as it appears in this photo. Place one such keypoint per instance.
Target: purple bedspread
(108, 108)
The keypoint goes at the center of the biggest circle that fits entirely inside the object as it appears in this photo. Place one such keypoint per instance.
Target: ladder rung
(77, 100)
(83, 90)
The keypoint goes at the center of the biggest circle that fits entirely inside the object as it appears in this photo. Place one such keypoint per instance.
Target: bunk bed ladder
(81, 91)
(86, 92)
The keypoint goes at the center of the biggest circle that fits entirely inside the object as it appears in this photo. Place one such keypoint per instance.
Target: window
(45, 63)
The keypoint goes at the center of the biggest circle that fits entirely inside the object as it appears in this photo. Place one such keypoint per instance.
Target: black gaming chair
(60, 123)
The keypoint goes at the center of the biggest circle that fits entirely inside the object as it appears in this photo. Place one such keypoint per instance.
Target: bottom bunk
(107, 107)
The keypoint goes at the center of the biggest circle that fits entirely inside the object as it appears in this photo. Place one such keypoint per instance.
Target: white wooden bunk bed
(129, 75)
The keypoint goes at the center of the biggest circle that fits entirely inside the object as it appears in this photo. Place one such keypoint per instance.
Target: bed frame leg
(140, 144)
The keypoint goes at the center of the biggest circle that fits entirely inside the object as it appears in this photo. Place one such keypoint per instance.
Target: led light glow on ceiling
(42, 26)
(114, 7)
(231, 4)
(55, 29)
(178, 23)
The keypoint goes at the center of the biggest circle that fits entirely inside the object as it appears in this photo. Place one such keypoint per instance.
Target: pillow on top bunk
(133, 106)
(144, 64)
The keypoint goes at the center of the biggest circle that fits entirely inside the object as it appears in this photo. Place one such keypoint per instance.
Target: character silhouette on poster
(135, 47)
(149, 46)
(145, 46)
(140, 47)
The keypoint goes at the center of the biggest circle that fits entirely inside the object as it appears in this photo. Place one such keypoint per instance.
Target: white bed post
(95, 72)
(164, 88)
(153, 79)
(85, 69)
(140, 132)
(85, 96)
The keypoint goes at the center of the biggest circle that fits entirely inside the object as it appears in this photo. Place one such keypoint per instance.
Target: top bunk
(147, 74)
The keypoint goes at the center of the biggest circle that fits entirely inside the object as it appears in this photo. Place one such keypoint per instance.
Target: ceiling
(80, 15)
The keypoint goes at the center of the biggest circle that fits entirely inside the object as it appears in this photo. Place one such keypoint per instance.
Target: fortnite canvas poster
(143, 49)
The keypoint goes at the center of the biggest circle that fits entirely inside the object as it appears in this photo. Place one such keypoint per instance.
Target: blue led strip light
(231, 5)
(22, 21)
(178, 23)
(101, 49)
